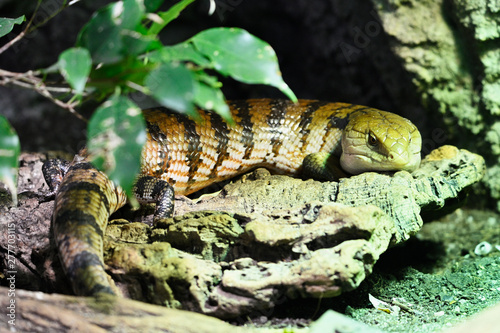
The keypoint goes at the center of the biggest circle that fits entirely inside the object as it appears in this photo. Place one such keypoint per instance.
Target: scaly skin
(186, 156)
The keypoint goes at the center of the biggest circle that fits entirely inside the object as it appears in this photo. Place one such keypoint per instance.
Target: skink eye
(372, 140)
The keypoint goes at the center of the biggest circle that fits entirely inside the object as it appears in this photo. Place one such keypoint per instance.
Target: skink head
(375, 140)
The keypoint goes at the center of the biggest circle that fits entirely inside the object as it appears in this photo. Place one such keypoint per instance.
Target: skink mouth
(409, 166)
(358, 163)
(404, 162)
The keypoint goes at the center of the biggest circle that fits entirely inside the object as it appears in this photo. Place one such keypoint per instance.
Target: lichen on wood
(279, 237)
(262, 240)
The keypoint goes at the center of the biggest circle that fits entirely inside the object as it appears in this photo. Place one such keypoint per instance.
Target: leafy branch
(118, 52)
(31, 80)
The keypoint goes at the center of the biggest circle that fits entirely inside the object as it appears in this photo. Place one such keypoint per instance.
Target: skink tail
(84, 201)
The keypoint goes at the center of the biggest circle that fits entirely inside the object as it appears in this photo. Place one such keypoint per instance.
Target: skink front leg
(322, 166)
(53, 172)
(149, 189)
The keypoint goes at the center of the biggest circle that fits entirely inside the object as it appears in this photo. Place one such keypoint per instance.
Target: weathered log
(39, 312)
(261, 241)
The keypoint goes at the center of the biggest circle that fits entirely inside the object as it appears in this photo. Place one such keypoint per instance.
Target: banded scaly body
(183, 156)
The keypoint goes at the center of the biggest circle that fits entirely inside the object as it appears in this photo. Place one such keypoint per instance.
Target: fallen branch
(38, 312)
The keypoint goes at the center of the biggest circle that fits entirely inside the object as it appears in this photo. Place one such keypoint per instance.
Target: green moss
(452, 52)
(130, 232)
(492, 181)
(490, 59)
(493, 137)
(491, 97)
(481, 16)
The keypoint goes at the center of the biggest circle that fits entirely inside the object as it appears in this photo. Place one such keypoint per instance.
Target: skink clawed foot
(53, 172)
(149, 189)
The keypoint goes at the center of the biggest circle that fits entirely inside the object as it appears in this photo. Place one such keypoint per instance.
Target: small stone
(483, 249)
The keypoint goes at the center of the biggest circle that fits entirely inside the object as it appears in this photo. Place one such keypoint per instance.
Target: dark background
(327, 50)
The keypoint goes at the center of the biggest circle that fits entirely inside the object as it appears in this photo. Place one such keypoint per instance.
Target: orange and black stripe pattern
(276, 134)
(183, 156)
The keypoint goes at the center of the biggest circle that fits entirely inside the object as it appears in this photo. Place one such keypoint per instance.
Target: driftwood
(38, 312)
(276, 237)
(259, 242)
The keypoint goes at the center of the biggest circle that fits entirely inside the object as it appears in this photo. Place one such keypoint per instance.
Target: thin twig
(23, 33)
(29, 28)
(30, 81)
(12, 42)
(48, 18)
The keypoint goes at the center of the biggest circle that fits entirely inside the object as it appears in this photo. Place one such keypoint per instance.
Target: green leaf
(101, 36)
(75, 65)
(179, 52)
(237, 53)
(152, 5)
(7, 24)
(208, 96)
(9, 154)
(210, 80)
(114, 32)
(173, 85)
(117, 134)
(169, 16)
(136, 43)
(106, 78)
(133, 12)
